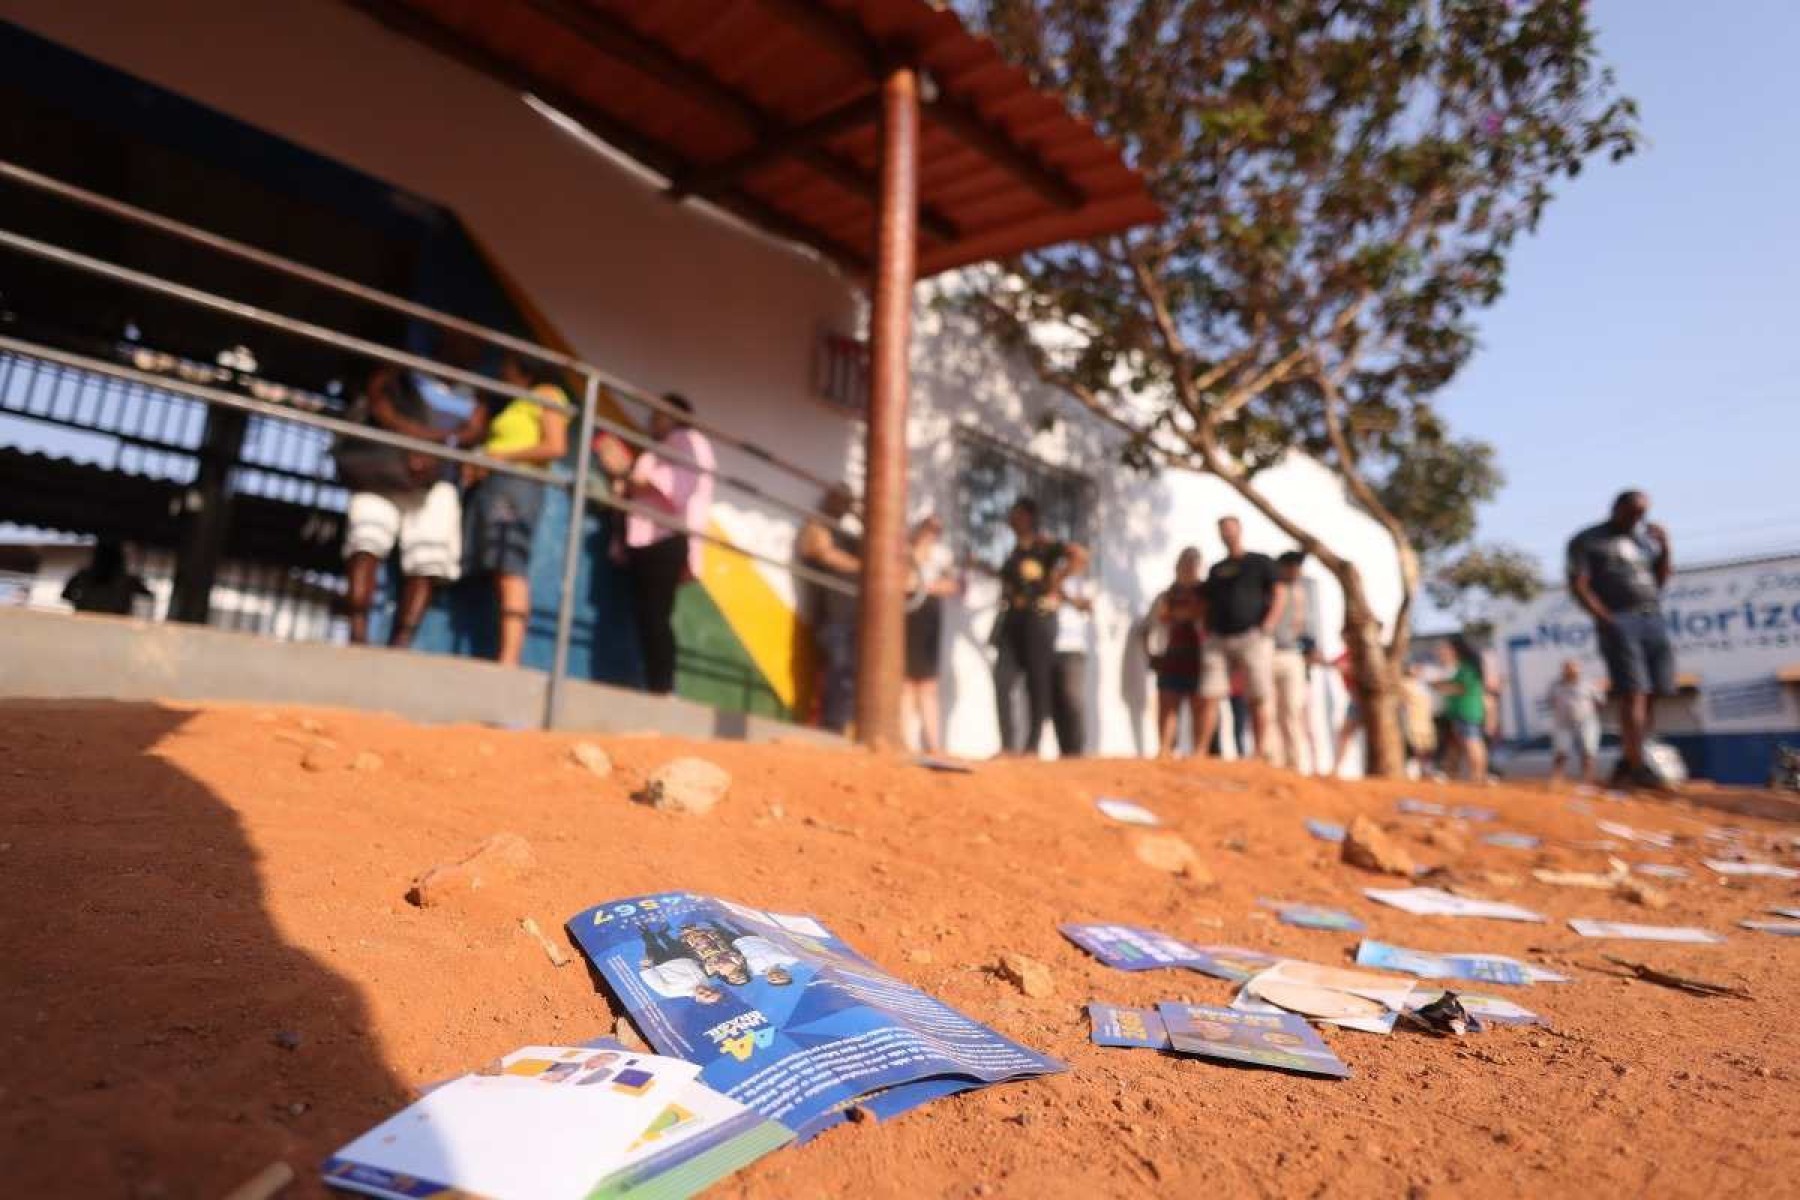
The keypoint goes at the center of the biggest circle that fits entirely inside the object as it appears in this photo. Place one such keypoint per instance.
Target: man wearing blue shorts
(1617, 570)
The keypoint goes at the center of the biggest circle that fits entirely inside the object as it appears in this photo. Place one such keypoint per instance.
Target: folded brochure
(783, 1016)
(559, 1123)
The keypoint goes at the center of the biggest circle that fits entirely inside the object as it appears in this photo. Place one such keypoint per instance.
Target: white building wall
(962, 380)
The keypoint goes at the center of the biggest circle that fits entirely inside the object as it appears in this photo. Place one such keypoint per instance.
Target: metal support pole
(565, 607)
(880, 638)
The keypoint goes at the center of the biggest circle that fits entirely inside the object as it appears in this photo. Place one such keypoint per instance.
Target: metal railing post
(565, 605)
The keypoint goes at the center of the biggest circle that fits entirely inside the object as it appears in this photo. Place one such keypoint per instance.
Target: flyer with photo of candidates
(1283, 1041)
(784, 1017)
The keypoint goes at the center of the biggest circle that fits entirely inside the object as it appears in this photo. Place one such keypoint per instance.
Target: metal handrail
(402, 441)
(280, 412)
(97, 266)
(274, 262)
(262, 316)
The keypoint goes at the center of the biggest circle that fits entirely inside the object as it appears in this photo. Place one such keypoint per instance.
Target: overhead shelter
(882, 134)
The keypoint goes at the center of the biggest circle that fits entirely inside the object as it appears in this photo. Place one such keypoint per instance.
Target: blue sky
(1650, 334)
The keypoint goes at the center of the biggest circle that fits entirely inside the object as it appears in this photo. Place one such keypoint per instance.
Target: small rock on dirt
(1641, 893)
(1442, 837)
(1028, 975)
(1172, 853)
(686, 785)
(322, 757)
(592, 757)
(287, 1039)
(366, 760)
(1368, 846)
(503, 857)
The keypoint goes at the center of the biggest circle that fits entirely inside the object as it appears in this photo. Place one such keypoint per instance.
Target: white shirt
(680, 976)
(1074, 628)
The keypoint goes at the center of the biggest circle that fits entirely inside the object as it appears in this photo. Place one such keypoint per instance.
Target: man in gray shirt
(1617, 570)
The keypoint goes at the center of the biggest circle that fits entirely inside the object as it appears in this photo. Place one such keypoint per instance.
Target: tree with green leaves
(1469, 583)
(1341, 183)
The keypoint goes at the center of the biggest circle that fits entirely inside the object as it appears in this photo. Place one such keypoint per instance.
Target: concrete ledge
(64, 656)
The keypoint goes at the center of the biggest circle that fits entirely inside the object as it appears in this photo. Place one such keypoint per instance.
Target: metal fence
(150, 408)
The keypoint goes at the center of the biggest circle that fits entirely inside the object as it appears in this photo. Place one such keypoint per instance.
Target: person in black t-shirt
(1025, 631)
(1245, 597)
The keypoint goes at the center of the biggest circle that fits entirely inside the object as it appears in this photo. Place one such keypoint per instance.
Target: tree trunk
(1377, 679)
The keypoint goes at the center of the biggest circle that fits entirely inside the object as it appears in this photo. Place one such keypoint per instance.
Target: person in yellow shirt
(504, 509)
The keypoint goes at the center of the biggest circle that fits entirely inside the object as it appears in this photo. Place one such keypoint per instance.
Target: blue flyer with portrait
(782, 1016)
(1280, 1040)
(1116, 1026)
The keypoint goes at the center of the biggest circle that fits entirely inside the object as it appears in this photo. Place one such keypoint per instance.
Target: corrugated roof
(767, 108)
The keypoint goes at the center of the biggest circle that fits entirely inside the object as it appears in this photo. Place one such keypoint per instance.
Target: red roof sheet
(687, 86)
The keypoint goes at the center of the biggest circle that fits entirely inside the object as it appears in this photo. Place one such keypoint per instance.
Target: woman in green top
(1465, 703)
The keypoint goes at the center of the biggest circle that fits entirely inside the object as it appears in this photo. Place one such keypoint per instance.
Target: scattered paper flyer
(1435, 902)
(1419, 808)
(1131, 947)
(1473, 812)
(1128, 811)
(1481, 968)
(1787, 912)
(1660, 841)
(559, 1122)
(1313, 916)
(948, 765)
(1784, 928)
(1283, 1041)
(1232, 963)
(1489, 1010)
(1325, 831)
(785, 1018)
(1139, 1027)
(1512, 841)
(1374, 1022)
(1359, 999)
(1759, 870)
(1661, 870)
(1642, 933)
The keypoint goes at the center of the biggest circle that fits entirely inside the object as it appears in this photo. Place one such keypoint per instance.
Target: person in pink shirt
(672, 478)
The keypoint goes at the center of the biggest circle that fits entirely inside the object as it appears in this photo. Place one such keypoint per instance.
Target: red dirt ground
(179, 889)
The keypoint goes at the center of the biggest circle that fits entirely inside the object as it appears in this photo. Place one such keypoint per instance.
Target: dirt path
(182, 895)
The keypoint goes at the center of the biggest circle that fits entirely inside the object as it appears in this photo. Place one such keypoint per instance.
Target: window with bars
(990, 475)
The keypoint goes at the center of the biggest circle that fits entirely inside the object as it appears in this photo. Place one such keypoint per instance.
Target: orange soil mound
(179, 890)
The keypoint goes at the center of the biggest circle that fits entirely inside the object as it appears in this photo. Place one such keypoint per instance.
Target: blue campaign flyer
(1283, 1041)
(1313, 916)
(1130, 947)
(1139, 1027)
(1483, 968)
(1325, 831)
(782, 1016)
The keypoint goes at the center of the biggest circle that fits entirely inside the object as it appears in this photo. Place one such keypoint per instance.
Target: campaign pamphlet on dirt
(783, 1016)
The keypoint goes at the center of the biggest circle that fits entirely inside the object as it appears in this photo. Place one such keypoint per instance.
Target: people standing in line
(1074, 645)
(1245, 598)
(1173, 636)
(1574, 724)
(1294, 639)
(1240, 718)
(400, 498)
(106, 584)
(1617, 571)
(530, 428)
(1466, 704)
(673, 479)
(931, 579)
(831, 544)
(1025, 630)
